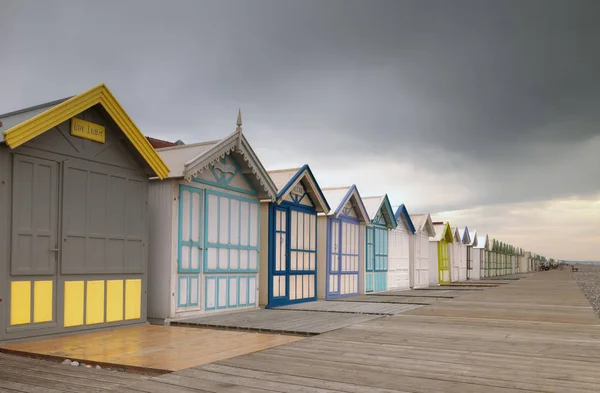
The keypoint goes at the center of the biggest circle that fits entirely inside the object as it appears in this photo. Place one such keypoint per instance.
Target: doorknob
(54, 249)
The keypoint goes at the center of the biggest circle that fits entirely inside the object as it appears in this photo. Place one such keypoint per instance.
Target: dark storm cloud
(502, 94)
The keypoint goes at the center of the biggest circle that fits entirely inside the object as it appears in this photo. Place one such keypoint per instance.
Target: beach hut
(491, 270)
(204, 228)
(459, 254)
(383, 220)
(472, 265)
(288, 271)
(440, 245)
(420, 250)
(527, 261)
(74, 176)
(522, 260)
(343, 231)
(482, 253)
(401, 265)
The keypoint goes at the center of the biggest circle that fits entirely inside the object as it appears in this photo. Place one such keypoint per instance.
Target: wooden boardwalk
(537, 334)
(280, 321)
(418, 300)
(370, 308)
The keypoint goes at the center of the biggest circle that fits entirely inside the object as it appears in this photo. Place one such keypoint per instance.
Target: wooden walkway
(280, 321)
(20, 374)
(537, 334)
(370, 308)
(418, 300)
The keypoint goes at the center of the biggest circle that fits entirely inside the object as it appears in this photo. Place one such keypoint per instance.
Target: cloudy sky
(481, 112)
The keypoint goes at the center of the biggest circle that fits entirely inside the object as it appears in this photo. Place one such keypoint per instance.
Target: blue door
(293, 255)
(343, 258)
(377, 259)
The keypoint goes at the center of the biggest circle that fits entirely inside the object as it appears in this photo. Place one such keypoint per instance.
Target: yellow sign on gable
(87, 130)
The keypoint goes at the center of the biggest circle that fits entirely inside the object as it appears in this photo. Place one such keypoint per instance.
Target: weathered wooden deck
(417, 300)
(369, 308)
(280, 321)
(537, 334)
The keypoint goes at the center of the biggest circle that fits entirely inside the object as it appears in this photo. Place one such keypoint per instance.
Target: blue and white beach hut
(343, 230)
(382, 221)
(204, 229)
(289, 233)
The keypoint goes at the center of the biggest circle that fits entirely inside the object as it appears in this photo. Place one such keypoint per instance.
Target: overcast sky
(485, 110)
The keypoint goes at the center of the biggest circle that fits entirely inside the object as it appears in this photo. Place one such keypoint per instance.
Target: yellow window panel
(73, 303)
(43, 297)
(94, 303)
(133, 299)
(114, 300)
(20, 302)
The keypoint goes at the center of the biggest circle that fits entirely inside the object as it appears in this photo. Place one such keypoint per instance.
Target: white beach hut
(343, 231)
(481, 253)
(401, 265)
(459, 254)
(420, 250)
(204, 229)
(473, 269)
(288, 271)
(440, 253)
(377, 259)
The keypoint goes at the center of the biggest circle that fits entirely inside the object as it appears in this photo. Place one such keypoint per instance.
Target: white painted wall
(399, 258)
(433, 263)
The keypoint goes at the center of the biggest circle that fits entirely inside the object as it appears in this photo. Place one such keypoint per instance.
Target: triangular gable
(423, 223)
(473, 238)
(442, 232)
(483, 242)
(465, 235)
(402, 215)
(380, 211)
(306, 179)
(351, 196)
(65, 110)
(456, 235)
(237, 145)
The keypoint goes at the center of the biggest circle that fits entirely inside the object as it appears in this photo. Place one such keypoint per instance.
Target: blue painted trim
(190, 279)
(386, 205)
(223, 182)
(228, 246)
(298, 174)
(346, 199)
(288, 208)
(402, 211)
(190, 243)
(179, 279)
(226, 187)
(237, 293)
(328, 293)
(206, 280)
(380, 240)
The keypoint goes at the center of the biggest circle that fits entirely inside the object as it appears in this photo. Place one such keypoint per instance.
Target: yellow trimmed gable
(37, 125)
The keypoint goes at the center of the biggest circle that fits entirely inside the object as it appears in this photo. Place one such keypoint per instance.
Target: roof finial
(239, 121)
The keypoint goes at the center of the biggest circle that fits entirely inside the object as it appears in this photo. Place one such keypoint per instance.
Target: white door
(463, 263)
(433, 263)
(398, 269)
(455, 262)
(421, 274)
